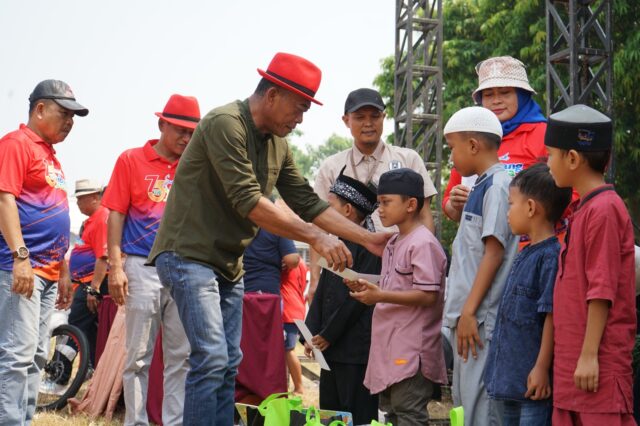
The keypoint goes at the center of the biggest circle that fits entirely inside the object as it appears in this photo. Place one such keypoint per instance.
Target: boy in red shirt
(293, 284)
(594, 297)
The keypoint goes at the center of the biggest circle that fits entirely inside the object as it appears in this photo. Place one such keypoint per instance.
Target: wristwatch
(21, 253)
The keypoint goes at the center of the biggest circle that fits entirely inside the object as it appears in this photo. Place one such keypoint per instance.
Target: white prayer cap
(474, 119)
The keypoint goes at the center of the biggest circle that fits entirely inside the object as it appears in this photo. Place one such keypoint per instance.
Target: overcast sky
(123, 59)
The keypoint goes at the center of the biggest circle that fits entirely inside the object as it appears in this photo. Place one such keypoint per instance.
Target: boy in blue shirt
(482, 255)
(521, 351)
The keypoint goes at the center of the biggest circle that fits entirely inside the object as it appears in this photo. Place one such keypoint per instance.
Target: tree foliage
(478, 29)
(309, 158)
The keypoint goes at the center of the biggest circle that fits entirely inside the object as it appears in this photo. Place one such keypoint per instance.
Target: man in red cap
(238, 155)
(34, 228)
(136, 197)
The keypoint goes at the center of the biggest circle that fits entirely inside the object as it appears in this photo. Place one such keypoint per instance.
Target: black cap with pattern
(355, 192)
(59, 92)
(579, 127)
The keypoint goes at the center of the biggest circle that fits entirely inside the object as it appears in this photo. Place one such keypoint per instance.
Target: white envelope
(317, 353)
(349, 274)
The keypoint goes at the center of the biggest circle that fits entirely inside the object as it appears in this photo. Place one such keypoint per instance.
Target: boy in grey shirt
(483, 252)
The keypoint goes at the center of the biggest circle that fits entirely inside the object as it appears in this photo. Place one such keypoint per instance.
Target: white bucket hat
(86, 187)
(474, 119)
(501, 71)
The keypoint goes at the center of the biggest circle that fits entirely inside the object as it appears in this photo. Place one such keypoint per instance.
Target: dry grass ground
(63, 418)
(437, 410)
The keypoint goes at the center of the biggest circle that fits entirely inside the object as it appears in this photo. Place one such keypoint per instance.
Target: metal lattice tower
(418, 85)
(580, 55)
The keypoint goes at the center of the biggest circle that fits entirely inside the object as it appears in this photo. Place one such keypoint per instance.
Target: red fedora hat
(182, 111)
(294, 73)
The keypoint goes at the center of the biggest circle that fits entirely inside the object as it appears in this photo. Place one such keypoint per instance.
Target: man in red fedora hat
(136, 197)
(238, 155)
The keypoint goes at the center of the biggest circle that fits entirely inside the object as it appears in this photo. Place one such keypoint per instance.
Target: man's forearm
(314, 270)
(115, 225)
(598, 311)
(334, 223)
(272, 219)
(10, 221)
(99, 272)
(65, 274)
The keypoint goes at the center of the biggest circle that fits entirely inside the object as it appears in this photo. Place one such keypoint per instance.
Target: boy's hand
(468, 337)
(369, 293)
(538, 386)
(354, 285)
(586, 375)
(458, 196)
(320, 342)
(308, 350)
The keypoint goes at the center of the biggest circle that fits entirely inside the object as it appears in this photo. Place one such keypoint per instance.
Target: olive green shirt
(226, 168)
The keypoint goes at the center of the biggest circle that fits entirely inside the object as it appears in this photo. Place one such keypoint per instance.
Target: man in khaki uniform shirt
(367, 159)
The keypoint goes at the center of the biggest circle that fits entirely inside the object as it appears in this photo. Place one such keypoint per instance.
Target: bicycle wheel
(66, 367)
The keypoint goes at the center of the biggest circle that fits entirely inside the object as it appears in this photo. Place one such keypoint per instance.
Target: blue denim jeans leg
(23, 347)
(210, 308)
(527, 413)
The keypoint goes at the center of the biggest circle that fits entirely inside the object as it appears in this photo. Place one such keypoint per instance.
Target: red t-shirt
(139, 187)
(519, 150)
(31, 172)
(92, 245)
(596, 263)
(293, 283)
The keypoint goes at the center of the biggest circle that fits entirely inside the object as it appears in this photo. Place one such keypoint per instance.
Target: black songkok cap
(579, 127)
(401, 182)
(355, 192)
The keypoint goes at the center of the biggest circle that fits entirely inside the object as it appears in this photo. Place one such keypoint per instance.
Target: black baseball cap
(361, 98)
(59, 92)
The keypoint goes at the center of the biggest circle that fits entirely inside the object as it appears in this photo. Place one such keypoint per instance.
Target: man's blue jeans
(24, 342)
(210, 308)
(527, 413)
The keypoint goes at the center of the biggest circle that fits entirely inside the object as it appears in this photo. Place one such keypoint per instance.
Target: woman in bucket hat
(503, 87)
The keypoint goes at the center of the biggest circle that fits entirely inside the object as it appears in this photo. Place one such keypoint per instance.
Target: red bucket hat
(295, 74)
(182, 111)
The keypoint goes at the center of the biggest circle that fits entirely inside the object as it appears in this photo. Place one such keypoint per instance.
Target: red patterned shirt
(139, 187)
(31, 172)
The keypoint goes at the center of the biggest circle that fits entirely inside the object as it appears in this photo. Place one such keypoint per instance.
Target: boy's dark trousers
(406, 402)
(342, 389)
